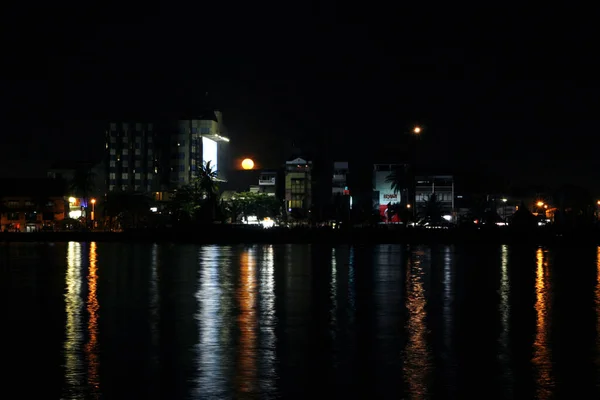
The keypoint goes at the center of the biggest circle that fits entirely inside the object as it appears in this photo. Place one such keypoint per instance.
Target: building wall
(194, 143)
(21, 213)
(131, 158)
(298, 186)
(267, 182)
(339, 180)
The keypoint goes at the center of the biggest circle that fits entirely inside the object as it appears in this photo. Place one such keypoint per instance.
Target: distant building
(341, 196)
(384, 194)
(195, 142)
(267, 182)
(131, 157)
(29, 205)
(443, 188)
(339, 181)
(156, 157)
(298, 187)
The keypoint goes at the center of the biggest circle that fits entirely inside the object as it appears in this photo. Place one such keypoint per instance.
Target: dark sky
(510, 91)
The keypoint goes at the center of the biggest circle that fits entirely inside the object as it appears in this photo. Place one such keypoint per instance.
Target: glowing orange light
(540, 203)
(417, 129)
(247, 164)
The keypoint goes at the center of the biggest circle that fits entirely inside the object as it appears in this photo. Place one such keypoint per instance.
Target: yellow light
(72, 200)
(598, 202)
(247, 164)
(540, 203)
(417, 129)
(93, 201)
(408, 206)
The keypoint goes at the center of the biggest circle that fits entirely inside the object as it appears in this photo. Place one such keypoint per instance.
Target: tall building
(164, 155)
(131, 158)
(198, 141)
(298, 187)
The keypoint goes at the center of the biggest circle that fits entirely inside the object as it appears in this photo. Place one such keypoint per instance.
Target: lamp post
(93, 201)
(504, 200)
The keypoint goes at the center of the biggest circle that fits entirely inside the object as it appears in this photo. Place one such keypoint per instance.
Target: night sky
(513, 92)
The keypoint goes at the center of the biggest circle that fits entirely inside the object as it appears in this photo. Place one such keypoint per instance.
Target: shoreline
(236, 235)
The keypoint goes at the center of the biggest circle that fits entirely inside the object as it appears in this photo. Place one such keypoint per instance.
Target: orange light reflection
(247, 323)
(417, 354)
(597, 299)
(542, 356)
(91, 348)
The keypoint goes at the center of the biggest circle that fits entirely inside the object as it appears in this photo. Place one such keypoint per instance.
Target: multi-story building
(298, 187)
(155, 157)
(267, 182)
(341, 199)
(196, 142)
(28, 205)
(130, 157)
(443, 188)
(339, 181)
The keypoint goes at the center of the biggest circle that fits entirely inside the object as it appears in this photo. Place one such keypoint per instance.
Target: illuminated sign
(209, 152)
(386, 193)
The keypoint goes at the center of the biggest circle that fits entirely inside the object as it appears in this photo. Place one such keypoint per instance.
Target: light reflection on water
(211, 377)
(246, 297)
(267, 322)
(93, 307)
(417, 357)
(597, 301)
(249, 318)
(504, 310)
(74, 332)
(542, 353)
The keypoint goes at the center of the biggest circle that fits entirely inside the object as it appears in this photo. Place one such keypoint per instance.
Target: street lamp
(93, 201)
(417, 130)
(504, 200)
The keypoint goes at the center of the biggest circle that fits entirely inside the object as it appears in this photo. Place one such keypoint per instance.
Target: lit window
(125, 175)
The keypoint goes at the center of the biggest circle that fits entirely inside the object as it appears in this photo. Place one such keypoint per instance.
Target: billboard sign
(386, 195)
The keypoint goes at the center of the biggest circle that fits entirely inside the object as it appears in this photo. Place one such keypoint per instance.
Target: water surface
(106, 320)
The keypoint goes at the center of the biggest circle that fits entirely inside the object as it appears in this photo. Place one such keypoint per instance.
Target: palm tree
(208, 183)
(400, 182)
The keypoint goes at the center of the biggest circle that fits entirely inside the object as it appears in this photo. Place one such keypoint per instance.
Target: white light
(209, 152)
(75, 214)
(154, 209)
(267, 223)
(447, 217)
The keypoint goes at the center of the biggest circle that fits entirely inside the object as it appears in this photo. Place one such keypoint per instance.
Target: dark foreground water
(112, 321)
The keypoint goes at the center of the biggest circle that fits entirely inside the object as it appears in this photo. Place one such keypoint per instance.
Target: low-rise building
(267, 182)
(29, 205)
(442, 186)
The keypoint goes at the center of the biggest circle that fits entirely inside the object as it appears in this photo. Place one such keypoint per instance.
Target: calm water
(112, 321)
